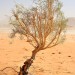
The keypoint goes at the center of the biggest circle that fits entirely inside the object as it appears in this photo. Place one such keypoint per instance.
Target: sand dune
(59, 60)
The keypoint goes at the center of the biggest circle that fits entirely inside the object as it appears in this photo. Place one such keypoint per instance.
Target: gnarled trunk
(28, 63)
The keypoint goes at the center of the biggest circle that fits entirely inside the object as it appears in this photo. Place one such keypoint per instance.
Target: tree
(43, 25)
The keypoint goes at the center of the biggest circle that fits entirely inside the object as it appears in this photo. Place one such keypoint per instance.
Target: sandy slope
(59, 60)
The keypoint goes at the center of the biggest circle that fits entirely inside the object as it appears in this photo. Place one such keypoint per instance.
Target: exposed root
(2, 70)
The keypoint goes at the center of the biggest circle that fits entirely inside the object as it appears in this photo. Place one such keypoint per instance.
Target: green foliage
(45, 21)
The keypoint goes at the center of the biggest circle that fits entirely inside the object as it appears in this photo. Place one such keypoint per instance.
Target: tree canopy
(42, 24)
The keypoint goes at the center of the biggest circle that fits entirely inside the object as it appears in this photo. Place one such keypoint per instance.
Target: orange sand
(59, 60)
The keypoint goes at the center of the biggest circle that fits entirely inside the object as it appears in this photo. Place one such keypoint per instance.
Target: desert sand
(59, 60)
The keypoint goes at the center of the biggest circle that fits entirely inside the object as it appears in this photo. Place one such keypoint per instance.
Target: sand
(59, 60)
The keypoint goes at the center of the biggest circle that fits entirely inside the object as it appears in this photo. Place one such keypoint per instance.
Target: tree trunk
(28, 63)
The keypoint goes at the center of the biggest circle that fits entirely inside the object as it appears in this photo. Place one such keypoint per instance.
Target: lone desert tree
(43, 25)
